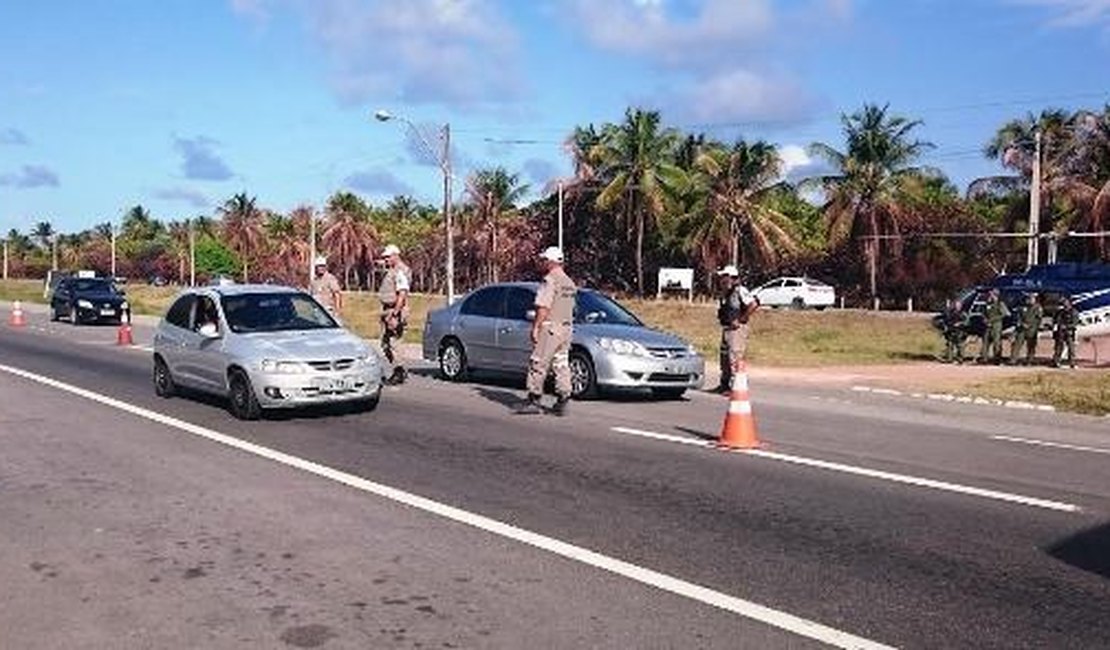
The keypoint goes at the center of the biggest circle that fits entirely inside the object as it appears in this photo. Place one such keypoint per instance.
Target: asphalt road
(133, 533)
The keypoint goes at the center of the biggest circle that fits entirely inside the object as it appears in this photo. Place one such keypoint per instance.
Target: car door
(206, 355)
(514, 329)
(476, 326)
(791, 291)
(770, 294)
(59, 298)
(170, 340)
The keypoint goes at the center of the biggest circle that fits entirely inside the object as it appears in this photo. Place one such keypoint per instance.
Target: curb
(958, 399)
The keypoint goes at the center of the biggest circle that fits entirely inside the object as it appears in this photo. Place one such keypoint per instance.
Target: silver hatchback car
(262, 347)
(489, 329)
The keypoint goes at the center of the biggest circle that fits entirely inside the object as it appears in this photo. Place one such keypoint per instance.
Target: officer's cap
(391, 250)
(730, 270)
(552, 254)
(321, 260)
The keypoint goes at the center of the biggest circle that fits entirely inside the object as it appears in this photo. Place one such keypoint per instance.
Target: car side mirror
(530, 315)
(209, 331)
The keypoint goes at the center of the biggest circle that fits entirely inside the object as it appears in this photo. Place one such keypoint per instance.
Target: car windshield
(94, 286)
(274, 312)
(595, 308)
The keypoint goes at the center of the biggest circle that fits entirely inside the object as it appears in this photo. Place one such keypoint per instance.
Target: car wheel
(452, 360)
(583, 379)
(668, 393)
(241, 398)
(163, 380)
(798, 303)
(54, 315)
(74, 315)
(821, 308)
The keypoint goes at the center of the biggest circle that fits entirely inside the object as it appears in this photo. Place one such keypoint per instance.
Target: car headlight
(84, 304)
(622, 346)
(124, 306)
(283, 367)
(367, 359)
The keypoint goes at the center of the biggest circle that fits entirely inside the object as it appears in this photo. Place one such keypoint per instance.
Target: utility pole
(113, 239)
(5, 259)
(192, 254)
(54, 253)
(1033, 252)
(311, 247)
(561, 216)
(445, 164)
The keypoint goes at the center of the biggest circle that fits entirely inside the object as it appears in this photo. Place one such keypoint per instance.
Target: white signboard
(674, 280)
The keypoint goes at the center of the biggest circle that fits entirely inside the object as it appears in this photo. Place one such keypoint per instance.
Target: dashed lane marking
(1054, 445)
(747, 609)
(866, 472)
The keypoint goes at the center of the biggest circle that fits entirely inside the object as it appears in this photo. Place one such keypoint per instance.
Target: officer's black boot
(531, 406)
(560, 407)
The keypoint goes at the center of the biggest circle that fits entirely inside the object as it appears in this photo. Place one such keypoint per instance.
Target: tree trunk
(640, 253)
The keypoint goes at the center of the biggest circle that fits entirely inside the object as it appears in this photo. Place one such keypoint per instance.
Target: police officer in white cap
(325, 286)
(735, 308)
(394, 296)
(552, 330)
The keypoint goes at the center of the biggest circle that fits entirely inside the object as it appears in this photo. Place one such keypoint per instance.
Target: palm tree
(494, 194)
(733, 185)
(863, 194)
(348, 234)
(242, 227)
(636, 160)
(43, 234)
(180, 234)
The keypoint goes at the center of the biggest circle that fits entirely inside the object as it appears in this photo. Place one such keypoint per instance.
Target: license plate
(107, 312)
(335, 384)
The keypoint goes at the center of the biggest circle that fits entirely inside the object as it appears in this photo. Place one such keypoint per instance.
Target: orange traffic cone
(738, 431)
(123, 334)
(17, 319)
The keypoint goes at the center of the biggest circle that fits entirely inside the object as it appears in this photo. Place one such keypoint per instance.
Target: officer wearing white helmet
(325, 286)
(736, 307)
(552, 330)
(394, 296)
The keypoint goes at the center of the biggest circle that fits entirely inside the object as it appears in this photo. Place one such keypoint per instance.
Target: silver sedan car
(489, 329)
(262, 347)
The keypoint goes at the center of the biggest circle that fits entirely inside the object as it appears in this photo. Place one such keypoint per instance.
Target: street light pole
(113, 239)
(192, 254)
(1034, 250)
(444, 159)
(561, 215)
(311, 247)
(5, 259)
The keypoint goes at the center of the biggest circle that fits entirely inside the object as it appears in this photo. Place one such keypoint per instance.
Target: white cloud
(256, 10)
(739, 95)
(1075, 13)
(195, 198)
(456, 52)
(797, 164)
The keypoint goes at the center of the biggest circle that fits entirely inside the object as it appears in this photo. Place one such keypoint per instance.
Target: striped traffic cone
(17, 319)
(739, 431)
(123, 334)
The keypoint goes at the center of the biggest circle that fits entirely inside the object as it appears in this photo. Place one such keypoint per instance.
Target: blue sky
(178, 104)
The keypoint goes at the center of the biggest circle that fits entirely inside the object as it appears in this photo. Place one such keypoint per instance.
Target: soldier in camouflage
(1064, 323)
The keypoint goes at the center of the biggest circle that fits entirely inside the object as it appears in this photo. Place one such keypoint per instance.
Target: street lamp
(444, 160)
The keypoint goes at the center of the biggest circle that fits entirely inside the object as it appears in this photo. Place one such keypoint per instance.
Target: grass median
(779, 338)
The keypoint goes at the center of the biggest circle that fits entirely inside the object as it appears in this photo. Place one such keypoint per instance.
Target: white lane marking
(662, 581)
(869, 473)
(1055, 445)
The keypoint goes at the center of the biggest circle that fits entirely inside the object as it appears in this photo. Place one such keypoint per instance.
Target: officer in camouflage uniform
(1026, 330)
(552, 330)
(394, 296)
(994, 314)
(954, 322)
(1064, 322)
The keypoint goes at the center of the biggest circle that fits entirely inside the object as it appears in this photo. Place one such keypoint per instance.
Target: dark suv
(88, 300)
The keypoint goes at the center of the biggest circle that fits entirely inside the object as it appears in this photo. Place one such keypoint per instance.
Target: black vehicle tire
(668, 393)
(241, 400)
(798, 303)
(583, 378)
(452, 360)
(163, 381)
(54, 315)
(821, 308)
(74, 315)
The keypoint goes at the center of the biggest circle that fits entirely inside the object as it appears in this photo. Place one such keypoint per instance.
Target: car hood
(646, 336)
(99, 296)
(307, 345)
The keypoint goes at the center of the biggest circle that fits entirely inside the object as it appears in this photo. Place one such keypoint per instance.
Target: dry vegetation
(779, 338)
